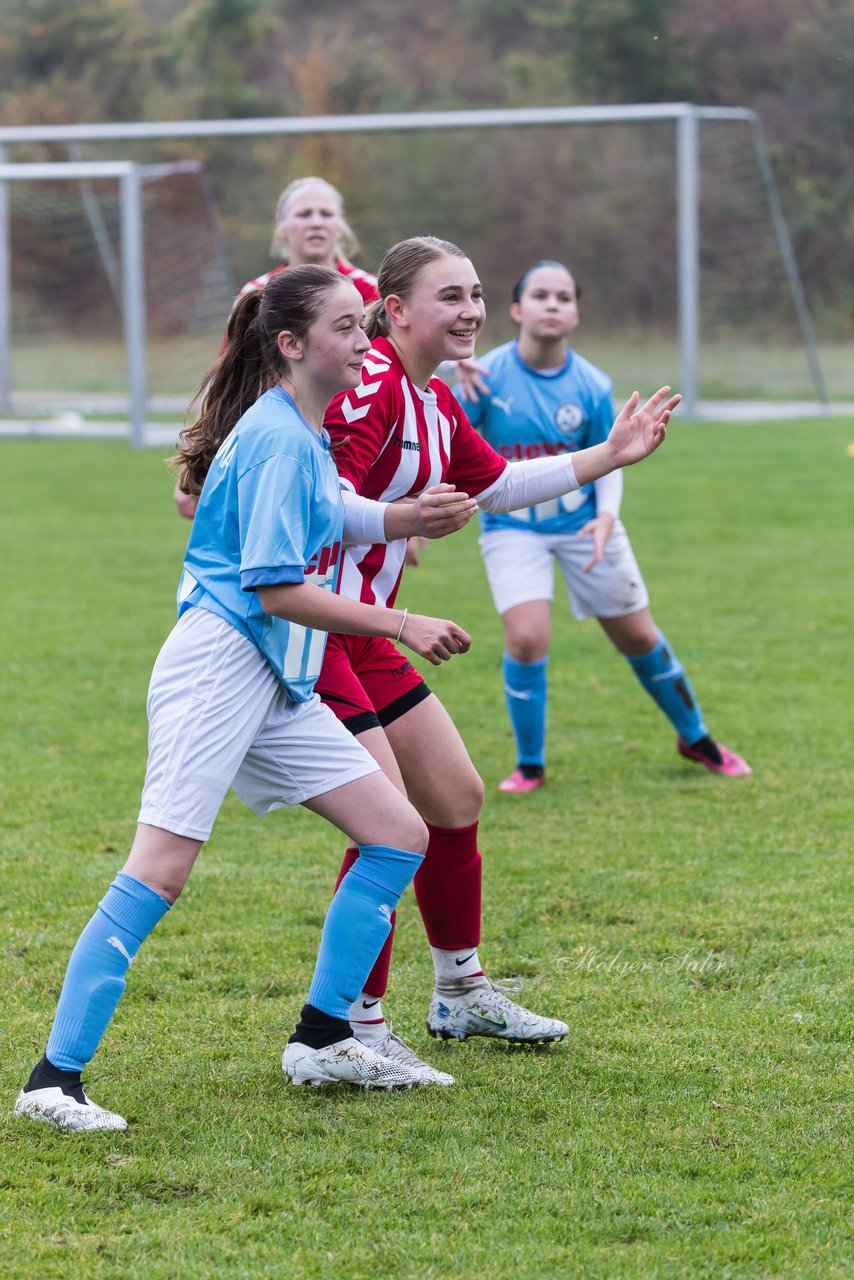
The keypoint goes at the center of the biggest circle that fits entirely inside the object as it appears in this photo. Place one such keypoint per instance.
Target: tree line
(122, 60)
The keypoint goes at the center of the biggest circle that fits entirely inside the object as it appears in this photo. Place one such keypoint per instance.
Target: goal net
(67, 358)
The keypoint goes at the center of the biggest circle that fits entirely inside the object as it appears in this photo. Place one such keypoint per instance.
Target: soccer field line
(73, 426)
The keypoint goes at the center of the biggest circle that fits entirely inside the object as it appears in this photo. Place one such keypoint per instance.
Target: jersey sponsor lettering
(323, 564)
(543, 449)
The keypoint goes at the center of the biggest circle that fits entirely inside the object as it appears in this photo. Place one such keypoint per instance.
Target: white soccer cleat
(393, 1048)
(487, 1010)
(346, 1062)
(67, 1112)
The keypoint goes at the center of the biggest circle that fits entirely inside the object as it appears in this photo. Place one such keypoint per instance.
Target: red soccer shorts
(367, 682)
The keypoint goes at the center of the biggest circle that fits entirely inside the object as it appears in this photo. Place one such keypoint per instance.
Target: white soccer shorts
(218, 718)
(520, 567)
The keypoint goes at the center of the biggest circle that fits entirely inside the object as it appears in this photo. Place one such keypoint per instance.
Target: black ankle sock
(707, 747)
(45, 1075)
(318, 1029)
(529, 771)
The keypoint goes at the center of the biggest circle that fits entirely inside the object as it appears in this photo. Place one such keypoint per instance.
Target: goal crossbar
(377, 122)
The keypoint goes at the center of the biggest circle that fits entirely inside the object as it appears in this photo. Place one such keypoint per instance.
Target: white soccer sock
(451, 966)
(366, 1015)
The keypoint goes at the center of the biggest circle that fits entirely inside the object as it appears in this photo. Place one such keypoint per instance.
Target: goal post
(113, 295)
(131, 293)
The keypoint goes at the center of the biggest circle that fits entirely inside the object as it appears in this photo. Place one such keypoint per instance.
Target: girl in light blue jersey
(231, 700)
(545, 399)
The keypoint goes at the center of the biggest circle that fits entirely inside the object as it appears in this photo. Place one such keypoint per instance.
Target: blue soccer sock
(663, 676)
(526, 693)
(95, 977)
(357, 924)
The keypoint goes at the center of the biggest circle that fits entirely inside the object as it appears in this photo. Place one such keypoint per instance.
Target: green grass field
(741, 366)
(696, 932)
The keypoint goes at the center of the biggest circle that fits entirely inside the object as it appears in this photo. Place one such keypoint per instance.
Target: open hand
(637, 432)
(471, 378)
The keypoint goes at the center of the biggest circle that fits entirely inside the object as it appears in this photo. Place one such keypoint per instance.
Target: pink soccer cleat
(715, 757)
(518, 782)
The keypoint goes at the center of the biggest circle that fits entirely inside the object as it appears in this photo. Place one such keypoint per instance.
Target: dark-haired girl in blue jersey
(545, 399)
(231, 700)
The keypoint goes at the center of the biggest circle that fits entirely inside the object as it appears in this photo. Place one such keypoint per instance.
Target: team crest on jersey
(568, 418)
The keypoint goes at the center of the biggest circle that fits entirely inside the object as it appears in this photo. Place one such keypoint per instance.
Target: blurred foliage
(117, 60)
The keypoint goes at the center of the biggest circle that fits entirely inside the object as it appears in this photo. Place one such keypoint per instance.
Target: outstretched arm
(635, 434)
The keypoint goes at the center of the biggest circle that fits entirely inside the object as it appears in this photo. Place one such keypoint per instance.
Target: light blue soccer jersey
(529, 413)
(270, 512)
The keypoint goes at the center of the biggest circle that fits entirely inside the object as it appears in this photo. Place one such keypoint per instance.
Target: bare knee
(162, 860)
(409, 833)
(159, 881)
(475, 796)
(634, 634)
(460, 806)
(527, 630)
(417, 834)
(527, 646)
(170, 889)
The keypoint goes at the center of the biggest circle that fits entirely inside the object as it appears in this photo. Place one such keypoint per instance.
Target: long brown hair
(249, 364)
(399, 270)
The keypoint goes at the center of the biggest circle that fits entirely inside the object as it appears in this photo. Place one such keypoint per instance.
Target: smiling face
(311, 226)
(442, 314)
(548, 307)
(330, 354)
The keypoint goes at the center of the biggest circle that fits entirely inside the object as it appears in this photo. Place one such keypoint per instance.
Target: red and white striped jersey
(363, 280)
(393, 441)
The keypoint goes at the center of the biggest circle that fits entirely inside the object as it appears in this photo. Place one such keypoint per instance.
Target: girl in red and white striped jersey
(400, 431)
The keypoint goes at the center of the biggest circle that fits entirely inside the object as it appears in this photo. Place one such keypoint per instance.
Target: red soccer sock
(377, 980)
(448, 888)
